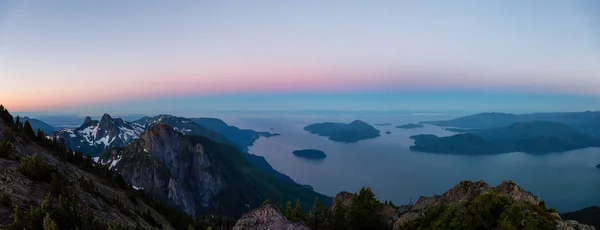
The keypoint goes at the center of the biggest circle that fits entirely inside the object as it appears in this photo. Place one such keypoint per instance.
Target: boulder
(267, 217)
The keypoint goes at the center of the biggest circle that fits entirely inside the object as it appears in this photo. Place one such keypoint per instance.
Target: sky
(148, 56)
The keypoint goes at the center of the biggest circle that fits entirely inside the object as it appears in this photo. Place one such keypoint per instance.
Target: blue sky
(464, 54)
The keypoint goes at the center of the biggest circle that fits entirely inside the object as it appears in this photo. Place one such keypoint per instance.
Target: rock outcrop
(344, 199)
(467, 190)
(267, 217)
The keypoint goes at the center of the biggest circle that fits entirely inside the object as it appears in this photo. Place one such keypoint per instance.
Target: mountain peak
(87, 120)
(106, 117)
(158, 132)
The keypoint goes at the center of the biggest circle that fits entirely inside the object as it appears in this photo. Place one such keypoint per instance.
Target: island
(410, 126)
(530, 137)
(598, 166)
(388, 132)
(346, 133)
(585, 122)
(311, 154)
(459, 130)
(383, 124)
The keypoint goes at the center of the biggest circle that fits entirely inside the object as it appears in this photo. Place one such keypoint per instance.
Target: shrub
(5, 199)
(36, 169)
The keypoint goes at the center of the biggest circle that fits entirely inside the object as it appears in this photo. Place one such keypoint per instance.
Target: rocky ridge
(467, 190)
(106, 203)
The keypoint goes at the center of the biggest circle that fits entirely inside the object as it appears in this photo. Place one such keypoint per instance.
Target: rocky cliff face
(199, 175)
(169, 166)
(266, 217)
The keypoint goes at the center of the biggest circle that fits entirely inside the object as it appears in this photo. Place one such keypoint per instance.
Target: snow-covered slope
(93, 137)
(183, 125)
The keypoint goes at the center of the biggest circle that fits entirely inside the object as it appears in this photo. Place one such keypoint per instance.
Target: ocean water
(566, 181)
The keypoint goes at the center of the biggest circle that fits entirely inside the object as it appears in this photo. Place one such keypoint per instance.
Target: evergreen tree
(297, 215)
(281, 209)
(6, 117)
(315, 215)
(18, 124)
(339, 218)
(288, 210)
(363, 212)
(28, 131)
(326, 219)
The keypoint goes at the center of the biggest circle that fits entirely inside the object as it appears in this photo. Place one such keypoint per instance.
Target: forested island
(531, 137)
(347, 133)
(410, 126)
(311, 154)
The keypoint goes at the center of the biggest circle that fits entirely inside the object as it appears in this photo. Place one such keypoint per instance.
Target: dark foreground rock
(267, 217)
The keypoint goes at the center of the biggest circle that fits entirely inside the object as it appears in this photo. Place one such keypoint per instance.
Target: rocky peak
(342, 198)
(266, 217)
(466, 190)
(87, 120)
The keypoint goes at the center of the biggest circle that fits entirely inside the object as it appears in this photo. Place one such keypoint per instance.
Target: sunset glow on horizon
(68, 54)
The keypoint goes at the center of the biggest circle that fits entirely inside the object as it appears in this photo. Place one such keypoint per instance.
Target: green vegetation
(5, 199)
(486, 211)
(36, 169)
(534, 137)
(347, 133)
(361, 214)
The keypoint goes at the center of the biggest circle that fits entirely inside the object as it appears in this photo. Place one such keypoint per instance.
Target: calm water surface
(566, 181)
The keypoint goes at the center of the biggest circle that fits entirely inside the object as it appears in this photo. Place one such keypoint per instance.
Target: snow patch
(137, 188)
(103, 140)
(114, 162)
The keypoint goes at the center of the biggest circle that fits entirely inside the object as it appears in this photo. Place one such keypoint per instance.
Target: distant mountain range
(94, 137)
(38, 124)
(536, 137)
(586, 122)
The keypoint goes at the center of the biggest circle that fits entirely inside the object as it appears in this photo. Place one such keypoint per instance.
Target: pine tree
(297, 214)
(6, 117)
(363, 212)
(315, 215)
(339, 218)
(326, 219)
(288, 210)
(28, 130)
(18, 124)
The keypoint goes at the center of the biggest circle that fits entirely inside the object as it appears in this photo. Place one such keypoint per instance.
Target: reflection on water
(567, 181)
